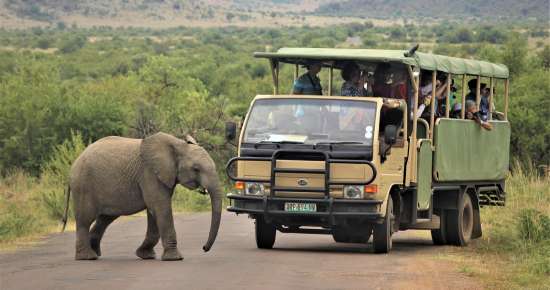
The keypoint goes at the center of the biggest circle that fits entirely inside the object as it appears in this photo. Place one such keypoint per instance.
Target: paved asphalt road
(297, 262)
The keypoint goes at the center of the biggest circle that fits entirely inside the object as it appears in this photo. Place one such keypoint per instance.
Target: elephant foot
(86, 255)
(146, 254)
(171, 255)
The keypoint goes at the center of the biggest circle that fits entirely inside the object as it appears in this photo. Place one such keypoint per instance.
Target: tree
(544, 57)
(72, 44)
(515, 54)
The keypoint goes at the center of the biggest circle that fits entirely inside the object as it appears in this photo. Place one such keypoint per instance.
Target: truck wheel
(460, 222)
(439, 236)
(265, 234)
(382, 232)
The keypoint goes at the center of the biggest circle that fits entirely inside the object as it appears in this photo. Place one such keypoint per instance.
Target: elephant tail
(68, 194)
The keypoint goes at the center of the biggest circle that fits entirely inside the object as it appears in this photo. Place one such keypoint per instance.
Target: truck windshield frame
(311, 121)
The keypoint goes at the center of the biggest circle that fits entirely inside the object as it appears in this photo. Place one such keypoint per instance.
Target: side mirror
(230, 131)
(390, 134)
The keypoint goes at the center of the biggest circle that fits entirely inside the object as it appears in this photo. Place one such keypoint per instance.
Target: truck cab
(353, 167)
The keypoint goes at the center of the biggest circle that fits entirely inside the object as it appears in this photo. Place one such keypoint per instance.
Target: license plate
(300, 207)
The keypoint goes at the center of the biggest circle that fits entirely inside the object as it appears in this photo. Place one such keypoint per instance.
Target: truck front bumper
(328, 209)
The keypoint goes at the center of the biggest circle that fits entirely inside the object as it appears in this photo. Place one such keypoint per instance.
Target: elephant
(117, 176)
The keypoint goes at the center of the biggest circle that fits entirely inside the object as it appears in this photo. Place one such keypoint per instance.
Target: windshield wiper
(337, 142)
(280, 142)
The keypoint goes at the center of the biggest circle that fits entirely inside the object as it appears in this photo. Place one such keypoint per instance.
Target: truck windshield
(311, 121)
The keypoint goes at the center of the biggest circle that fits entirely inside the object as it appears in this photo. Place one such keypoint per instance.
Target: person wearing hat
(309, 83)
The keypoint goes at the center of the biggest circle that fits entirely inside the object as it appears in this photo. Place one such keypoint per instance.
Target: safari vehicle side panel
(465, 152)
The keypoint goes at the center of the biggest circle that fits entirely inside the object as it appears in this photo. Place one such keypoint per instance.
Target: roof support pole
(478, 93)
(491, 84)
(275, 75)
(432, 104)
(296, 72)
(506, 88)
(448, 98)
(412, 146)
(330, 72)
(463, 108)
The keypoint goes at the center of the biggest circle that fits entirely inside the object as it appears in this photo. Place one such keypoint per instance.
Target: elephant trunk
(216, 201)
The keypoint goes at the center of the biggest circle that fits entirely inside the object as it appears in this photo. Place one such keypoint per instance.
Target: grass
(514, 252)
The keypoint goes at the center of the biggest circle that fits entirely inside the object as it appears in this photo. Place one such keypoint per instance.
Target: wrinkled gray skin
(120, 176)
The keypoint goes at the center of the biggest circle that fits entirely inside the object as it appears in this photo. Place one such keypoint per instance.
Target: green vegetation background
(62, 88)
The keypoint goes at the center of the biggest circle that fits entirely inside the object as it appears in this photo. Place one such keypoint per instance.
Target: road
(297, 262)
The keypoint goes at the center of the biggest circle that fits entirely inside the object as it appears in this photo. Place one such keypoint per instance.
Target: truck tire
(460, 222)
(381, 239)
(265, 234)
(439, 236)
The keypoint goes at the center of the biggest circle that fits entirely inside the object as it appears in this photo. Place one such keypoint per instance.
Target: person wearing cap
(309, 83)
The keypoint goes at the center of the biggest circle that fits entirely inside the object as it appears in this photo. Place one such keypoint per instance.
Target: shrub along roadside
(514, 252)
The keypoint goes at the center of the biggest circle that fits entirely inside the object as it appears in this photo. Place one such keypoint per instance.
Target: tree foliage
(107, 81)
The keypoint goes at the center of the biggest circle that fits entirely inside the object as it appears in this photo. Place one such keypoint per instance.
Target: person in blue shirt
(309, 83)
(483, 100)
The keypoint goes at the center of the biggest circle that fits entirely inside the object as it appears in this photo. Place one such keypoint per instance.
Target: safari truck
(353, 167)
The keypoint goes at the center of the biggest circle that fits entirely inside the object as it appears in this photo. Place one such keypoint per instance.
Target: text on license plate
(300, 207)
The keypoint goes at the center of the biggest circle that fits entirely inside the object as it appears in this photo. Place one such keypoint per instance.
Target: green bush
(17, 219)
(54, 202)
(189, 200)
(56, 170)
(55, 177)
(72, 43)
(534, 226)
(519, 234)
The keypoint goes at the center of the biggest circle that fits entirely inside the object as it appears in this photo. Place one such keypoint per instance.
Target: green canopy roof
(428, 61)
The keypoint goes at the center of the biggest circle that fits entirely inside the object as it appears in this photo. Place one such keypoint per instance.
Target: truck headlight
(254, 188)
(353, 191)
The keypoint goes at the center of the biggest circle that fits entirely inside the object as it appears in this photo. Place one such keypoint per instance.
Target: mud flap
(476, 231)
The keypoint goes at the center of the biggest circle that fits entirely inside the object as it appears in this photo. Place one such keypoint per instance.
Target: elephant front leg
(165, 222)
(146, 250)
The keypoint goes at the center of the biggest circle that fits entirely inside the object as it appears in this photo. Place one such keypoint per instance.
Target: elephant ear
(157, 152)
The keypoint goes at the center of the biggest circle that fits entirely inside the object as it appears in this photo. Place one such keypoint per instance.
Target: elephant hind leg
(96, 234)
(146, 251)
(83, 248)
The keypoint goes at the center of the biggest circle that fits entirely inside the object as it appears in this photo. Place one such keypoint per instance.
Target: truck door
(424, 174)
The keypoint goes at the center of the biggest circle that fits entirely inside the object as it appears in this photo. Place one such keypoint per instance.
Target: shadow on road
(399, 246)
